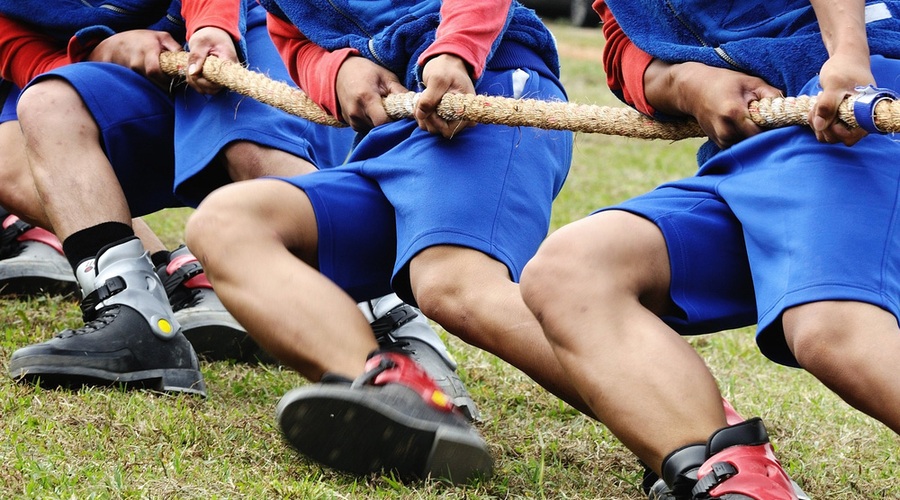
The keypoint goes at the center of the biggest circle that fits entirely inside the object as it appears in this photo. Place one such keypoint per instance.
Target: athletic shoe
(32, 261)
(737, 463)
(130, 334)
(403, 327)
(656, 489)
(208, 326)
(393, 419)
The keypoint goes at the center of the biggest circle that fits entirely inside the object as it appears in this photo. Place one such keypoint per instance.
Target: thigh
(820, 223)
(135, 119)
(710, 281)
(356, 230)
(489, 188)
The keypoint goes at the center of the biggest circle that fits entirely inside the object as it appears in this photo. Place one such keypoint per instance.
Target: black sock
(161, 257)
(85, 244)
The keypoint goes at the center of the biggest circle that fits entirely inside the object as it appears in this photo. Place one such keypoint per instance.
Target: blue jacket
(393, 33)
(93, 20)
(778, 41)
(90, 20)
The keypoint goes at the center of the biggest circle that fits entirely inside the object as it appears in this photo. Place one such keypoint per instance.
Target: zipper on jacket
(718, 50)
(114, 8)
(175, 20)
(349, 18)
(375, 53)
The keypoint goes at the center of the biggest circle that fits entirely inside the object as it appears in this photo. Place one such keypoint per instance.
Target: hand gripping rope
(874, 110)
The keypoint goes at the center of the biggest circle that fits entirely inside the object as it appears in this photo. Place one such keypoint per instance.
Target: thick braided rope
(622, 121)
(251, 84)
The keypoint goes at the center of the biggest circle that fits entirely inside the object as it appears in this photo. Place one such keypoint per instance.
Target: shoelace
(105, 317)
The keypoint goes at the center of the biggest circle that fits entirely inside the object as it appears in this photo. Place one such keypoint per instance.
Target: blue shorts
(136, 124)
(206, 124)
(9, 93)
(160, 145)
(781, 220)
(489, 188)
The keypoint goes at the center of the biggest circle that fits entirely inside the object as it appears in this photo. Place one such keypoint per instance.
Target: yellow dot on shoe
(439, 398)
(164, 326)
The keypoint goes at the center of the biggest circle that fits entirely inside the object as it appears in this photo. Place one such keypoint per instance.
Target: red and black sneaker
(656, 488)
(737, 463)
(31, 260)
(742, 465)
(393, 419)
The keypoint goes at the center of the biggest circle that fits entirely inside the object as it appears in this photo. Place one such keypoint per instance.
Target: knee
(215, 224)
(49, 103)
(447, 301)
(814, 333)
(555, 267)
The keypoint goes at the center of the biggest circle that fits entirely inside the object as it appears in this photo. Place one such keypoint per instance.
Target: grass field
(107, 443)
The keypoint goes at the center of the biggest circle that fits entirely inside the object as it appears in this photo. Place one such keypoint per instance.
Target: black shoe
(31, 261)
(404, 328)
(394, 419)
(129, 336)
(208, 326)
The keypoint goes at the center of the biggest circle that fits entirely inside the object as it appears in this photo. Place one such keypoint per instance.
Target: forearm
(624, 63)
(843, 26)
(666, 87)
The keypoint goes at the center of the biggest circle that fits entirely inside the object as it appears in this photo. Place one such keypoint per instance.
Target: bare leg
(293, 311)
(246, 160)
(77, 185)
(597, 286)
(472, 296)
(151, 241)
(17, 192)
(852, 348)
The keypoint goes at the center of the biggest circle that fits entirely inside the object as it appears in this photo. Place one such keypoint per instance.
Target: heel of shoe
(182, 380)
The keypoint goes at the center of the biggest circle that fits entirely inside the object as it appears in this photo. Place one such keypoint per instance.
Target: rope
(622, 121)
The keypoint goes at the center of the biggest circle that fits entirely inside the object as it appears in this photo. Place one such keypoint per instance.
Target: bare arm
(843, 27)
(717, 98)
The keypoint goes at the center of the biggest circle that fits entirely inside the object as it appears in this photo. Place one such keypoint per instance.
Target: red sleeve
(623, 62)
(468, 30)
(313, 68)
(25, 54)
(223, 14)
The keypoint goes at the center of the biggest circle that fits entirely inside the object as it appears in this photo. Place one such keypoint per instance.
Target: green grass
(107, 443)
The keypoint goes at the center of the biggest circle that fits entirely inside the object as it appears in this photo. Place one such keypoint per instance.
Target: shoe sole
(342, 428)
(177, 380)
(218, 342)
(30, 286)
